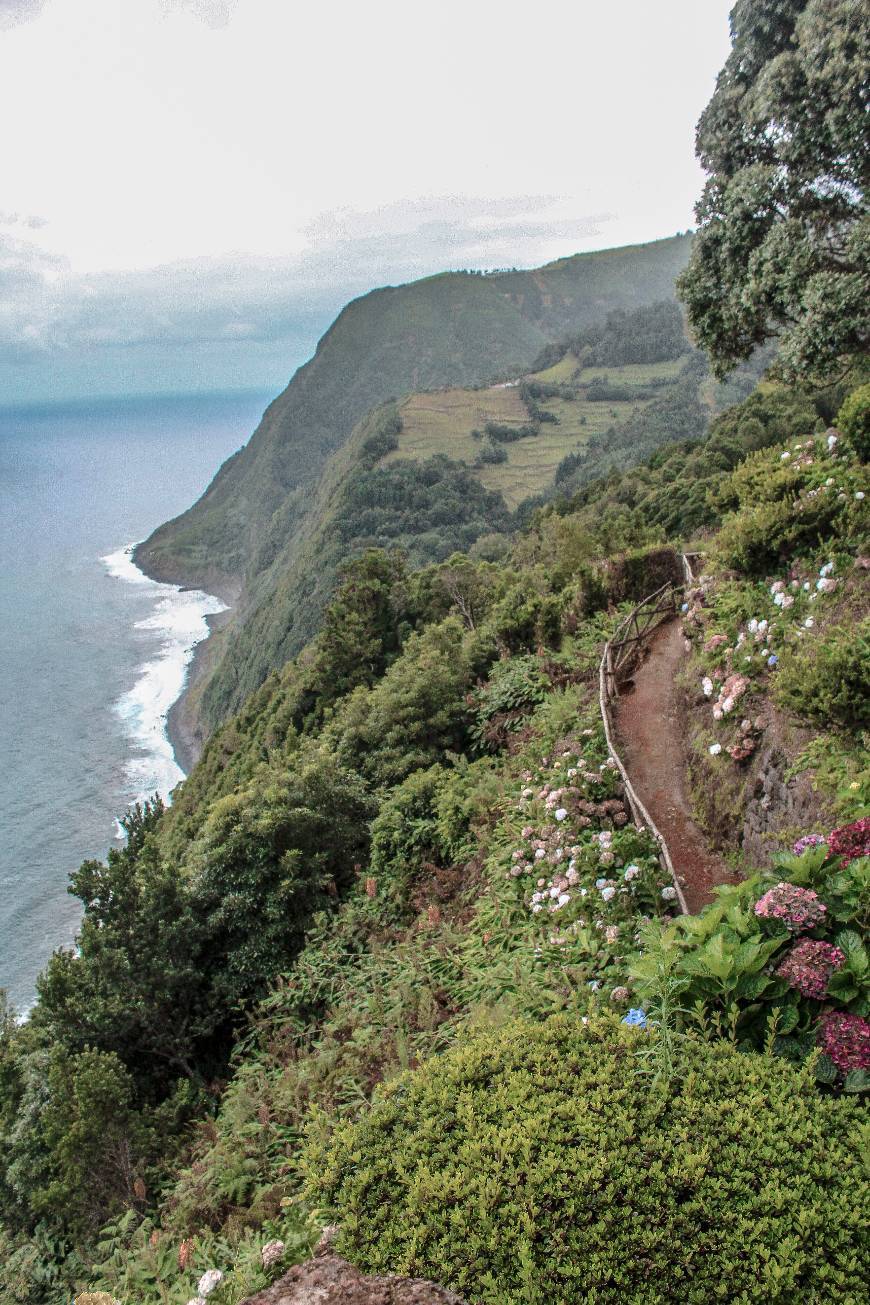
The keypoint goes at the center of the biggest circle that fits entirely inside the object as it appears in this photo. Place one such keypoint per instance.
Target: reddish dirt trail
(651, 745)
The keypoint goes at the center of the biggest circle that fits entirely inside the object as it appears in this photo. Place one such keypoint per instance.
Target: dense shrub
(828, 682)
(539, 1164)
(514, 687)
(853, 420)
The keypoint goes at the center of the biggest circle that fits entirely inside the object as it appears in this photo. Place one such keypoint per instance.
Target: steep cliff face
(457, 328)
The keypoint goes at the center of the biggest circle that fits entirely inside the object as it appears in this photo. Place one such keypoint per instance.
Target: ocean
(92, 653)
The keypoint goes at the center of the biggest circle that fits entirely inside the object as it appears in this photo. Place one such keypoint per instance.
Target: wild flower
(799, 909)
(809, 965)
(846, 1039)
(635, 1017)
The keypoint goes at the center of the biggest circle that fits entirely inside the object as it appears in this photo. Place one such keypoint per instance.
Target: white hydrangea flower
(209, 1281)
(715, 749)
(272, 1252)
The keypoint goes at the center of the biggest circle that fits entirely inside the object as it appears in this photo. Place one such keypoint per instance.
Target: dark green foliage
(427, 509)
(167, 956)
(491, 453)
(503, 434)
(414, 713)
(783, 242)
(513, 688)
(785, 507)
(677, 415)
(541, 1164)
(644, 335)
(406, 835)
(268, 858)
(679, 488)
(530, 393)
(828, 682)
(136, 985)
(853, 420)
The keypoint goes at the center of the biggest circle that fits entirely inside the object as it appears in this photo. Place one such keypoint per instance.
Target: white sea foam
(170, 633)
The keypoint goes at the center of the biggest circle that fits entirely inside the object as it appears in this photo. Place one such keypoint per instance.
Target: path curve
(647, 720)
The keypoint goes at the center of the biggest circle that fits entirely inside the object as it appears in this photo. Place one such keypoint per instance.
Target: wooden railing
(623, 652)
(621, 655)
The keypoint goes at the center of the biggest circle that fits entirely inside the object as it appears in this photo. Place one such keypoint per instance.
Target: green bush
(515, 686)
(538, 1164)
(828, 682)
(853, 419)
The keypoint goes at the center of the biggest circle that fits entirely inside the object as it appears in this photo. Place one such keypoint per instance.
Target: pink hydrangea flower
(809, 965)
(846, 1039)
(799, 909)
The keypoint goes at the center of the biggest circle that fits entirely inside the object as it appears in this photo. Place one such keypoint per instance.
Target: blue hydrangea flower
(635, 1017)
(772, 660)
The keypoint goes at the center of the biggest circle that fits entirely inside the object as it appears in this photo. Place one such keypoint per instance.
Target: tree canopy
(784, 234)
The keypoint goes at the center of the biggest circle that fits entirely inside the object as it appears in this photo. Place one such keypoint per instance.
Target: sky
(191, 189)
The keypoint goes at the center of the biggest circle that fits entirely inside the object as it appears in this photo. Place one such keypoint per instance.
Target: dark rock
(330, 1280)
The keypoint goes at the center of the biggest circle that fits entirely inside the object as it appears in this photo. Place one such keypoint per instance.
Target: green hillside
(456, 329)
(341, 905)
(405, 956)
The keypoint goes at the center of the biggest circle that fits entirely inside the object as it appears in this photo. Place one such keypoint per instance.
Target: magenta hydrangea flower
(851, 841)
(809, 965)
(799, 909)
(846, 1039)
(808, 840)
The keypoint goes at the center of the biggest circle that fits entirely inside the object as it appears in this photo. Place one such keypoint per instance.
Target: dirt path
(651, 747)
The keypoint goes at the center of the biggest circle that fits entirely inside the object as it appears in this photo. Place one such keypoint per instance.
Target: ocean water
(92, 652)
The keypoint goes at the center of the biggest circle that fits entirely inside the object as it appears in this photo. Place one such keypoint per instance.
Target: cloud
(214, 13)
(46, 309)
(15, 12)
(27, 220)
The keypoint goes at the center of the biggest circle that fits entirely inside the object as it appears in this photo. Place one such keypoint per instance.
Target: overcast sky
(190, 189)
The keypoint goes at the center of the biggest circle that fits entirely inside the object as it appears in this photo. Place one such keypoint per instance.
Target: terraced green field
(442, 421)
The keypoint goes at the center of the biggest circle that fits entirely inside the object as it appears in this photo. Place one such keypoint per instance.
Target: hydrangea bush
(784, 965)
(577, 874)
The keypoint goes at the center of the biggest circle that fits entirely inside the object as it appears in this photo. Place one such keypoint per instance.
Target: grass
(631, 373)
(441, 421)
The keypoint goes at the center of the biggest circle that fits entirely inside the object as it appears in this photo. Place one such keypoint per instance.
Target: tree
(784, 236)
